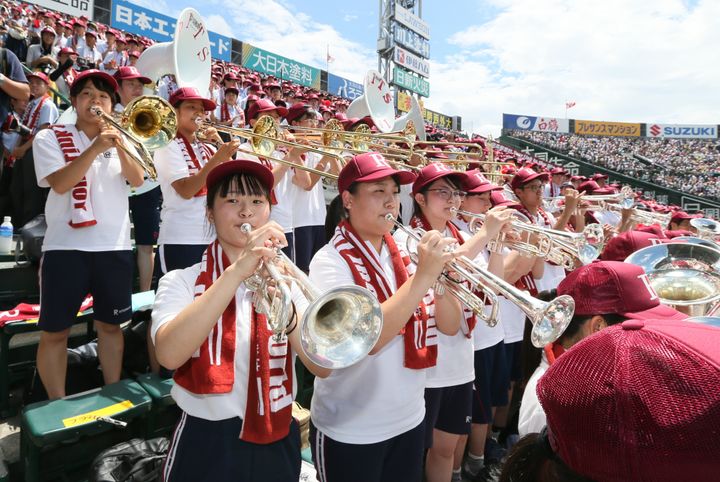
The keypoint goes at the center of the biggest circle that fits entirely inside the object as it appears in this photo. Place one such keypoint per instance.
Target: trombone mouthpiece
(389, 217)
(246, 228)
(96, 110)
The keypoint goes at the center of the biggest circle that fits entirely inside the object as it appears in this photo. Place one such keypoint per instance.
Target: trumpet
(339, 327)
(643, 217)
(708, 229)
(549, 319)
(625, 199)
(147, 123)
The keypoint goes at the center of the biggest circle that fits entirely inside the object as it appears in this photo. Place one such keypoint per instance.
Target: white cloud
(218, 24)
(349, 17)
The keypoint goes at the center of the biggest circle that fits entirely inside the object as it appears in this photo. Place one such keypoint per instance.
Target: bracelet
(294, 318)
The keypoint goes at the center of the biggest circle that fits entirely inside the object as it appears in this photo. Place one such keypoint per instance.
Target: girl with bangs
(233, 381)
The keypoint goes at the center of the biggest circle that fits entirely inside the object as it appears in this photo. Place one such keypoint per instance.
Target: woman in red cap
(367, 419)
(449, 387)
(234, 381)
(87, 244)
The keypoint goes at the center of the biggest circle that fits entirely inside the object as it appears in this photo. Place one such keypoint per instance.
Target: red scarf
(82, 212)
(193, 163)
(469, 318)
(553, 351)
(224, 112)
(31, 117)
(211, 369)
(420, 332)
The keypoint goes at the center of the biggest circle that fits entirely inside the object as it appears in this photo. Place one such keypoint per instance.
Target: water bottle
(6, 236)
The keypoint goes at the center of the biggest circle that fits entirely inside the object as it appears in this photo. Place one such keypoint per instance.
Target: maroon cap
(297, 110)
(48, 29)
(135, 54)
(91, 33)
(679, 216)
(190, 93)
(508, 169)
(525, 175)
(623, 245)
(130, 72)
(434, 171)
(605, 287)
(370, 166)
(637, 401)
(677, 233)
(265, 105)
(588, 187)
(477, 183)
(597, 176)
(557, 170)
(226, 168)
(67, 50)
(39, 75)
(99, 74)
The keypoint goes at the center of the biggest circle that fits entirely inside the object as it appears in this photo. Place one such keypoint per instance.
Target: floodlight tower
(386, 39)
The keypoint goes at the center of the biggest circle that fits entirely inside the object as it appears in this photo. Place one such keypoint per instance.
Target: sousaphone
(377, 102)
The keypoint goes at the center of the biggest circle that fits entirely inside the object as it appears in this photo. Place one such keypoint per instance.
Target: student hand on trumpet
(260, 245)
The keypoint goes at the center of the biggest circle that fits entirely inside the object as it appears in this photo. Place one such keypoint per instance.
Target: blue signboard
(344, 87)
(158, 27)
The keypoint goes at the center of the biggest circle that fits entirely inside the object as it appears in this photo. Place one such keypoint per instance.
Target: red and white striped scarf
(211, 369)
(469, 318)
(193, 163)
(82, 213)
(420, 332)
(32, 113)
(527, 282)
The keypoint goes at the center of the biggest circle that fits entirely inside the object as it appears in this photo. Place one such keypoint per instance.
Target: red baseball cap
(525, 175)
(67, 50)
(588, 187)
(130, 72)
(639, 400)
(477, 183)
(190, 93)
(434, 171)
(99, 74)
(679, 216)
(605, 287)
(508, 169)
(624, 244)
(597, 176)
(500, 198)
(370, 166)
(40, 75)
(265, 105)
(227, 168)
(135, 54)
(297, 110)
(555, 171)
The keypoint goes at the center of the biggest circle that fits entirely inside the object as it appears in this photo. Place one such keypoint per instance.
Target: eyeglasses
(534, 187)
(446, 194)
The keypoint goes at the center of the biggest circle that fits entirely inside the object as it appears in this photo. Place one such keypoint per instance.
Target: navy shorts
(145, 213)
(448, 409)
(397, 459)
(513, 354)
(491, 382)
(308, 240)
(177, 256)
(211, 450)
(289, 250)
(68, 276)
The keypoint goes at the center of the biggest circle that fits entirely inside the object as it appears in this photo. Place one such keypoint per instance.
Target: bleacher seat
(164, 413)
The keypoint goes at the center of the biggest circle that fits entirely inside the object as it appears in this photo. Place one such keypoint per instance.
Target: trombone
(339, 327)
(549, 319)
(147, 123)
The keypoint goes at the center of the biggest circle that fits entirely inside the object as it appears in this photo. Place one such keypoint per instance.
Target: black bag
(136, 460)
(32, 235)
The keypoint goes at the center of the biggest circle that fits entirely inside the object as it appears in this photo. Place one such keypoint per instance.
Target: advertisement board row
(411, 61)
(75, 8)
(281, 67)
(411, 41)
(411, 21)
(535, 123)
(403, 78)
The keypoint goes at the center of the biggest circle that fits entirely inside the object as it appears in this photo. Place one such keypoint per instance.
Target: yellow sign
(599, 128)
(403, 101)
(92, 416)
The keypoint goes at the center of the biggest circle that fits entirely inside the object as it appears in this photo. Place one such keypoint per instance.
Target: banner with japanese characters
(281, 67)
(603, 128)
(158, 27)
(75, 8)
(403, 78)
(437, 119)
(343, 87)
(535, 123)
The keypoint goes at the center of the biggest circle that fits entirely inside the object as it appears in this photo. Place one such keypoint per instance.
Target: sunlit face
(91, 96)
(38, 88)
(187, 112)
(476, 203)
(370, 204)
(130, 89)
(229, 213)
(439, 199)
(530, 194)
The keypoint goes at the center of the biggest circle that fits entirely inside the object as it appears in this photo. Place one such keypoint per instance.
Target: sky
(620, 60)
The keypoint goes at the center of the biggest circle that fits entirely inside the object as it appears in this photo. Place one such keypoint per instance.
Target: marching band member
(558, 175)
(228, 112)
(182, 167)
(449, 384)
(234, 381)
(367, 419)
(88, 231)
(40, 112)
(43, 53)
(65, 74)
(89, 50)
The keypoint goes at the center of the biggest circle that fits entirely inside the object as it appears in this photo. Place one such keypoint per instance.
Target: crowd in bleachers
(688, 165)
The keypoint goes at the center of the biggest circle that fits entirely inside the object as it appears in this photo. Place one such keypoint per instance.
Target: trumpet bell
(552, 320)
(152, 120)
(341, 327)
(265, 126)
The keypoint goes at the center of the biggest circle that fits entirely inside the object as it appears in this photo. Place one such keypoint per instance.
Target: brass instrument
(549, 319)
(147, 123)
(706, 228)
(339, 327)
(643, 217)
(625, 199)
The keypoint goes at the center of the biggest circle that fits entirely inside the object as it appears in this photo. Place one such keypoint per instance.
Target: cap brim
(403, 177)
(459, 176)
(660, 312)
(227, 168)
(484, 188)
(282, 111)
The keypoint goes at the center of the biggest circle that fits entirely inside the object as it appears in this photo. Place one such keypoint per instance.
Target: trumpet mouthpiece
(246, 228)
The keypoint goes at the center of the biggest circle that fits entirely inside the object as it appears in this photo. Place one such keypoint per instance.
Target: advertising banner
(411, 62)
(683, 131)
(343, 87)
(411, 21)
(406, 80)
(437, 119)
(535, 123)
(412, 41)
(403, 101)
(601, 128)
(76, 8)
(161, 28)
(281, 67)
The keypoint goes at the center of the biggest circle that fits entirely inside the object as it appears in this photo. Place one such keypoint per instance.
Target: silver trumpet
(339, 327)
(549, 319)
(643, 217)
(708, 229)
(556, 246)
(625, 198)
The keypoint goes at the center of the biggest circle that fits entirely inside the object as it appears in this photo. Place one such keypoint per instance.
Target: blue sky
(624, 60)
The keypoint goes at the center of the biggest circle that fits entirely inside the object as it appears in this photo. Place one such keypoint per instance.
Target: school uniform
(309, 212)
